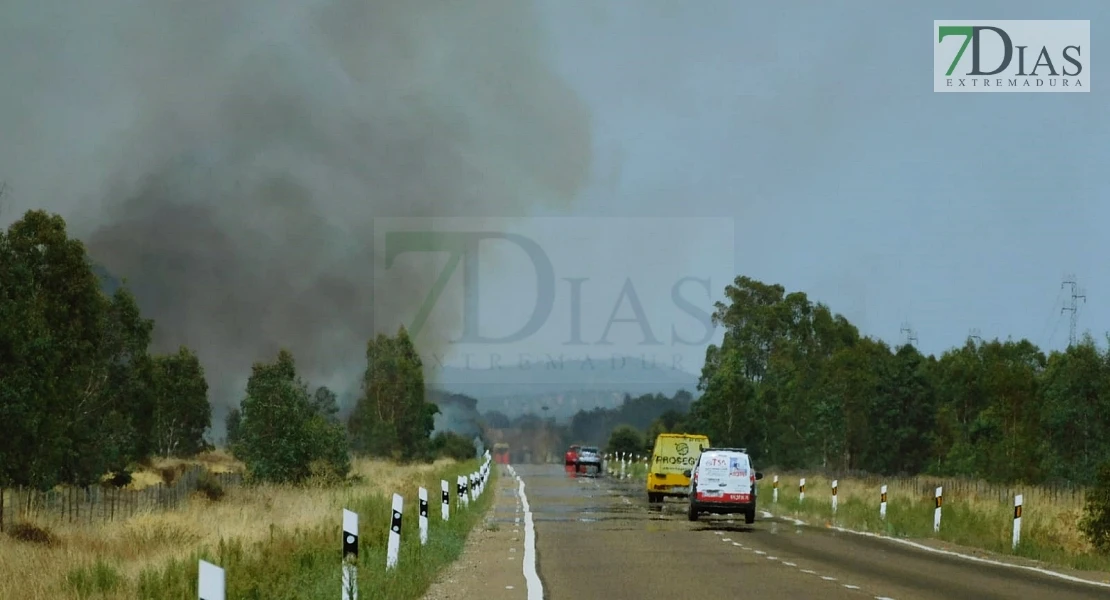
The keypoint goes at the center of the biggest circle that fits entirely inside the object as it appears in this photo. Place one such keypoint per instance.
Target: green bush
(1095, 523)
(282, 435)
(452, 445)
(210, 486)
(625, 438)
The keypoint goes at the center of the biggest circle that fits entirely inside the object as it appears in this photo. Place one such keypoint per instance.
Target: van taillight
(753, 479)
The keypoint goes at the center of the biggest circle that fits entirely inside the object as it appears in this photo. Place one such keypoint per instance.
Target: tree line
(83, 397)
(801, 388)
(284, 432)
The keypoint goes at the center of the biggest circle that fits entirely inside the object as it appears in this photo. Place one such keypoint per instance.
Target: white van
(722, 482)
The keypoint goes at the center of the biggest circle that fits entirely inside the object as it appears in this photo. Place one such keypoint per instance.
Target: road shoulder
(490, 566)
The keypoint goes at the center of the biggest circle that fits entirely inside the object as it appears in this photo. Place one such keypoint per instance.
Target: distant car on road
(589, 459)
(722, 482)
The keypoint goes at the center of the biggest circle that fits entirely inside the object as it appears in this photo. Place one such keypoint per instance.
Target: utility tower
(911, 335)
(974, 334)
(1073, 305)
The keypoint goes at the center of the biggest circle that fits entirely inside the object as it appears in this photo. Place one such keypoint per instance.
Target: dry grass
(973, 515)
(30, 571)
(161, 469)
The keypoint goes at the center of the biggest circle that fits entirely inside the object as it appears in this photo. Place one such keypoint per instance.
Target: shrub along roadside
(305, 564)
(980, 524)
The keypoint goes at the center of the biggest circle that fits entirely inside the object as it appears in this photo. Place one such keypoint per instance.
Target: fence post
(775, 490)
(394, 548)
(882, 502)
(423, 495)
(210, 582)
(350, 555)
(834, 482)
(445, 507)
(801, 490)
(1017, 520)
(936, 511)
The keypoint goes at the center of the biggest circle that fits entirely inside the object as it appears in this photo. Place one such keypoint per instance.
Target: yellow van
(672, 459)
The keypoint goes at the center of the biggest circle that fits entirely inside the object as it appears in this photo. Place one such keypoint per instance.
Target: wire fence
(103, 503)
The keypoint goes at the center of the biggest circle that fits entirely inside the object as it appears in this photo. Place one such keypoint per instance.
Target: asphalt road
(599, 538)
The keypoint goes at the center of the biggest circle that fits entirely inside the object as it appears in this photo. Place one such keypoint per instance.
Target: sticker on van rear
(737, 468)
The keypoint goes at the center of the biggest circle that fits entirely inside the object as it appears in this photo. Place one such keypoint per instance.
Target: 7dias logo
(1011, 56)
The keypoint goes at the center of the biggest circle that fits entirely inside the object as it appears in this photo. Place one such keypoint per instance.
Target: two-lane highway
(599, 538)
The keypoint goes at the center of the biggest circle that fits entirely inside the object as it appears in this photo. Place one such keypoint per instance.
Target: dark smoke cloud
(228, 158)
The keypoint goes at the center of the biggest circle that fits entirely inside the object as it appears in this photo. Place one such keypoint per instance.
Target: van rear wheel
(654, 498)
(691, 513)
(749, 517)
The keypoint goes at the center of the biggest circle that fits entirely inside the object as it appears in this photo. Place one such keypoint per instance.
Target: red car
(572, 456)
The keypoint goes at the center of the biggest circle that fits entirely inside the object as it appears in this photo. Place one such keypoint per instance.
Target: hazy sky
(816, 129)
(805, 135)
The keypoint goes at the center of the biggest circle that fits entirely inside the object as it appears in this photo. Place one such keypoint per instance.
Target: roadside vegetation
(806, 394)
(274, 541)
(974, 514)
(85, 406)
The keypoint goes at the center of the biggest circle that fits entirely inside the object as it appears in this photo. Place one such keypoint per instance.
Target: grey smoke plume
(228, 158)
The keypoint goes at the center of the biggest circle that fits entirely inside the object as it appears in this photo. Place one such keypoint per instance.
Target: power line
(1073, 307)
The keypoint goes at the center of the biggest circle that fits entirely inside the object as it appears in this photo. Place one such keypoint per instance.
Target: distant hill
(564, 388)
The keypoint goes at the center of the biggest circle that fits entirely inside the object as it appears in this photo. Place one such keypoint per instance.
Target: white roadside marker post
(445, 506)
(350, 555)
(936, 512)
(775, 490)
(882, 502)
(834, 482)
(393, 550)
(423, 496)
(802, 490)
(210, 582)
(1017, 520)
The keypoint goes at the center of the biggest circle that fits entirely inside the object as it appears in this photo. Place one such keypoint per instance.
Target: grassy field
(274, 542)
(971, 515)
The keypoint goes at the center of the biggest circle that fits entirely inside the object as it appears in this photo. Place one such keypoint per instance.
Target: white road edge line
(977, 559)
(851, 587)
(531, 578)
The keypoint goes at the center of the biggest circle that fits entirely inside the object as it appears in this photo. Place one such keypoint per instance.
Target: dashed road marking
(760, 552)
(726, 539)
(772, 558)
(789, 564)
(827, 578)
(851, 587)
(809, 572)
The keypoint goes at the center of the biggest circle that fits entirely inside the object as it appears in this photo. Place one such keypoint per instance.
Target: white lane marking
(809, 572)
(883, 598)
(719, 532)
(789, 564)
(987, 561)
(827, 578)
(772, 558)
(726, 539)
(508, 587)
(531, 578)
(851, 587)
(760, 552)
